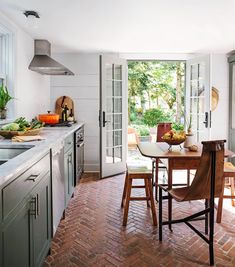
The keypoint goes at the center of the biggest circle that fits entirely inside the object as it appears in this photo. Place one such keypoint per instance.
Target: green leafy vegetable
(11, 127)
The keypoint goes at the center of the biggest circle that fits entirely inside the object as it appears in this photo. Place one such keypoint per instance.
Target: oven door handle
(80, 144)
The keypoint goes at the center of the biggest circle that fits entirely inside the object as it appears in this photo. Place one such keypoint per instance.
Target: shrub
(142, 130)
(155, 115)
(178, 126)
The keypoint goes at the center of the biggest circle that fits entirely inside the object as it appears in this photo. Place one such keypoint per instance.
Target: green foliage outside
(155, 93)
(142, 130)
(153, 116)
(178, 126)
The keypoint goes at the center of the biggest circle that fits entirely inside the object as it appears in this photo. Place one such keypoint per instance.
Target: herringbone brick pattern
(92, 233)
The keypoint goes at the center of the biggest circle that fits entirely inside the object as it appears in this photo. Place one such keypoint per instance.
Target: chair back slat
(162, 128)
(201, 185)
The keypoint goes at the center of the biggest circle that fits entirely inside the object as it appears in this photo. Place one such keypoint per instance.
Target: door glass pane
(117, 88)
(117, 72)
(109, 139)
(109, 124)
(113, 113)
(194, 80)
(117, 138)
(117, 105)
(118, 121)
(118, 154)
(109, 155)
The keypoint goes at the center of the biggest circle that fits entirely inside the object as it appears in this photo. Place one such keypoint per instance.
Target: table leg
(156, 179)
(170, 198)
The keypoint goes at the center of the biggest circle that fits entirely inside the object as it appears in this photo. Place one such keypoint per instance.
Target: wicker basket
(10, 134)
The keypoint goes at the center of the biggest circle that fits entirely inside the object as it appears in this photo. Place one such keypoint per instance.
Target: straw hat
(214, 98)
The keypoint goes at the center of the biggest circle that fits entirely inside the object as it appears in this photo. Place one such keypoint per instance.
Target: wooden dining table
(177, 159)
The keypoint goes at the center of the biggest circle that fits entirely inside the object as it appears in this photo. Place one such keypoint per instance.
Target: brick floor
(92, 233)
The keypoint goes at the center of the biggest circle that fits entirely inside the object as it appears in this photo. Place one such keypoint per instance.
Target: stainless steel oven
(79, 153)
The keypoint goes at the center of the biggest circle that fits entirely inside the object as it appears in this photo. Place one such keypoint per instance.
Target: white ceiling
(162, 26)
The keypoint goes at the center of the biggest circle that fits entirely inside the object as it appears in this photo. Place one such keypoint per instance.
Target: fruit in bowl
(174, 137)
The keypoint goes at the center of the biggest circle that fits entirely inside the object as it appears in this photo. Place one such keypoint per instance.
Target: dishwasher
(58, 184)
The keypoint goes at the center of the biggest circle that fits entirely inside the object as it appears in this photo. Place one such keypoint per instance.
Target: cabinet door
(41, 222)
(69, 174)
(16, 239)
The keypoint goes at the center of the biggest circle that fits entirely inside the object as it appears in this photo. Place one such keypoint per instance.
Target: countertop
(53, 136)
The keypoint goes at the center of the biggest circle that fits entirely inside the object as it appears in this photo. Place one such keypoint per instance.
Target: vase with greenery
(5, 97)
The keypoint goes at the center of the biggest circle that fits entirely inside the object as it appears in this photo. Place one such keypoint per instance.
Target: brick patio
(92, 233)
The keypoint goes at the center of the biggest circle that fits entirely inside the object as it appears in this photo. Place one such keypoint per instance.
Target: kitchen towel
(27, 138)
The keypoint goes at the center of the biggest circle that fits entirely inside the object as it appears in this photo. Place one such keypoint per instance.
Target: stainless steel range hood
(43, 63)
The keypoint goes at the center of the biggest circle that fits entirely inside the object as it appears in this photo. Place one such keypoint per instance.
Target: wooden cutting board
(60, 102)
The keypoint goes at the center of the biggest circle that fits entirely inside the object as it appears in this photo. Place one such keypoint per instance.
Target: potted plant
(4, 99)
(190, 140)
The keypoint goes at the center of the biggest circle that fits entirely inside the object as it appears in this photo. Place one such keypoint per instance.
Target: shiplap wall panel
(78, 80)
(87, 92)
(83, 88)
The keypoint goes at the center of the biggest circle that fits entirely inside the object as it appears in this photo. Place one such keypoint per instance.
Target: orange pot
(50, 118)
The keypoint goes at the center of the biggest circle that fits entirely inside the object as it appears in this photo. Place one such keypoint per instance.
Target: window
(6, 64)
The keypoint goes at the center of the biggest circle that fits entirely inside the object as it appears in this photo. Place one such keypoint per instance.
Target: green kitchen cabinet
(26, 224)
(16, 239)
(69, 174)
(41, 221)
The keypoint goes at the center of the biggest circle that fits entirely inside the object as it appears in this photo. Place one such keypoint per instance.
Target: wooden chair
(229, 172)
(132, 173)
(207, 185)
(132, 138)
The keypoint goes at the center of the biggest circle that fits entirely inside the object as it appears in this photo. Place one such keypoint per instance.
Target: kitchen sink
(8, 152)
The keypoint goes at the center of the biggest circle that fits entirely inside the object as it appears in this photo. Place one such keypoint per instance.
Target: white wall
(31, 90)
(83, 88)
(220, 80)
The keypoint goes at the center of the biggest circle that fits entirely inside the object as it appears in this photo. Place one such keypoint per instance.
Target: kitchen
(52, 201)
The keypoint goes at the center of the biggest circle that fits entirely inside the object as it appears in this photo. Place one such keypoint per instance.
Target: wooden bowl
(173, 142)
(10, 134)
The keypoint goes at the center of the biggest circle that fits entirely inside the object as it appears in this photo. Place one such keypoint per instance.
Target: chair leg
(188, 177)
(169, 211)
(232, 190)
(211, 234)
(128, 195)
(160, 214)
(206, 218)
(156, 179)
(147, 192)
(152, 203)
(220, 204)
(153, 170)
(124, 191)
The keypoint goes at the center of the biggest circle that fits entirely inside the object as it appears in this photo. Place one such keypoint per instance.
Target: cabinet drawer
(68, 142)
(17, 190)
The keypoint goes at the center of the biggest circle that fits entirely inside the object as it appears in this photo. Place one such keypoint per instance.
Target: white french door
(113, 115)
(198, 91)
